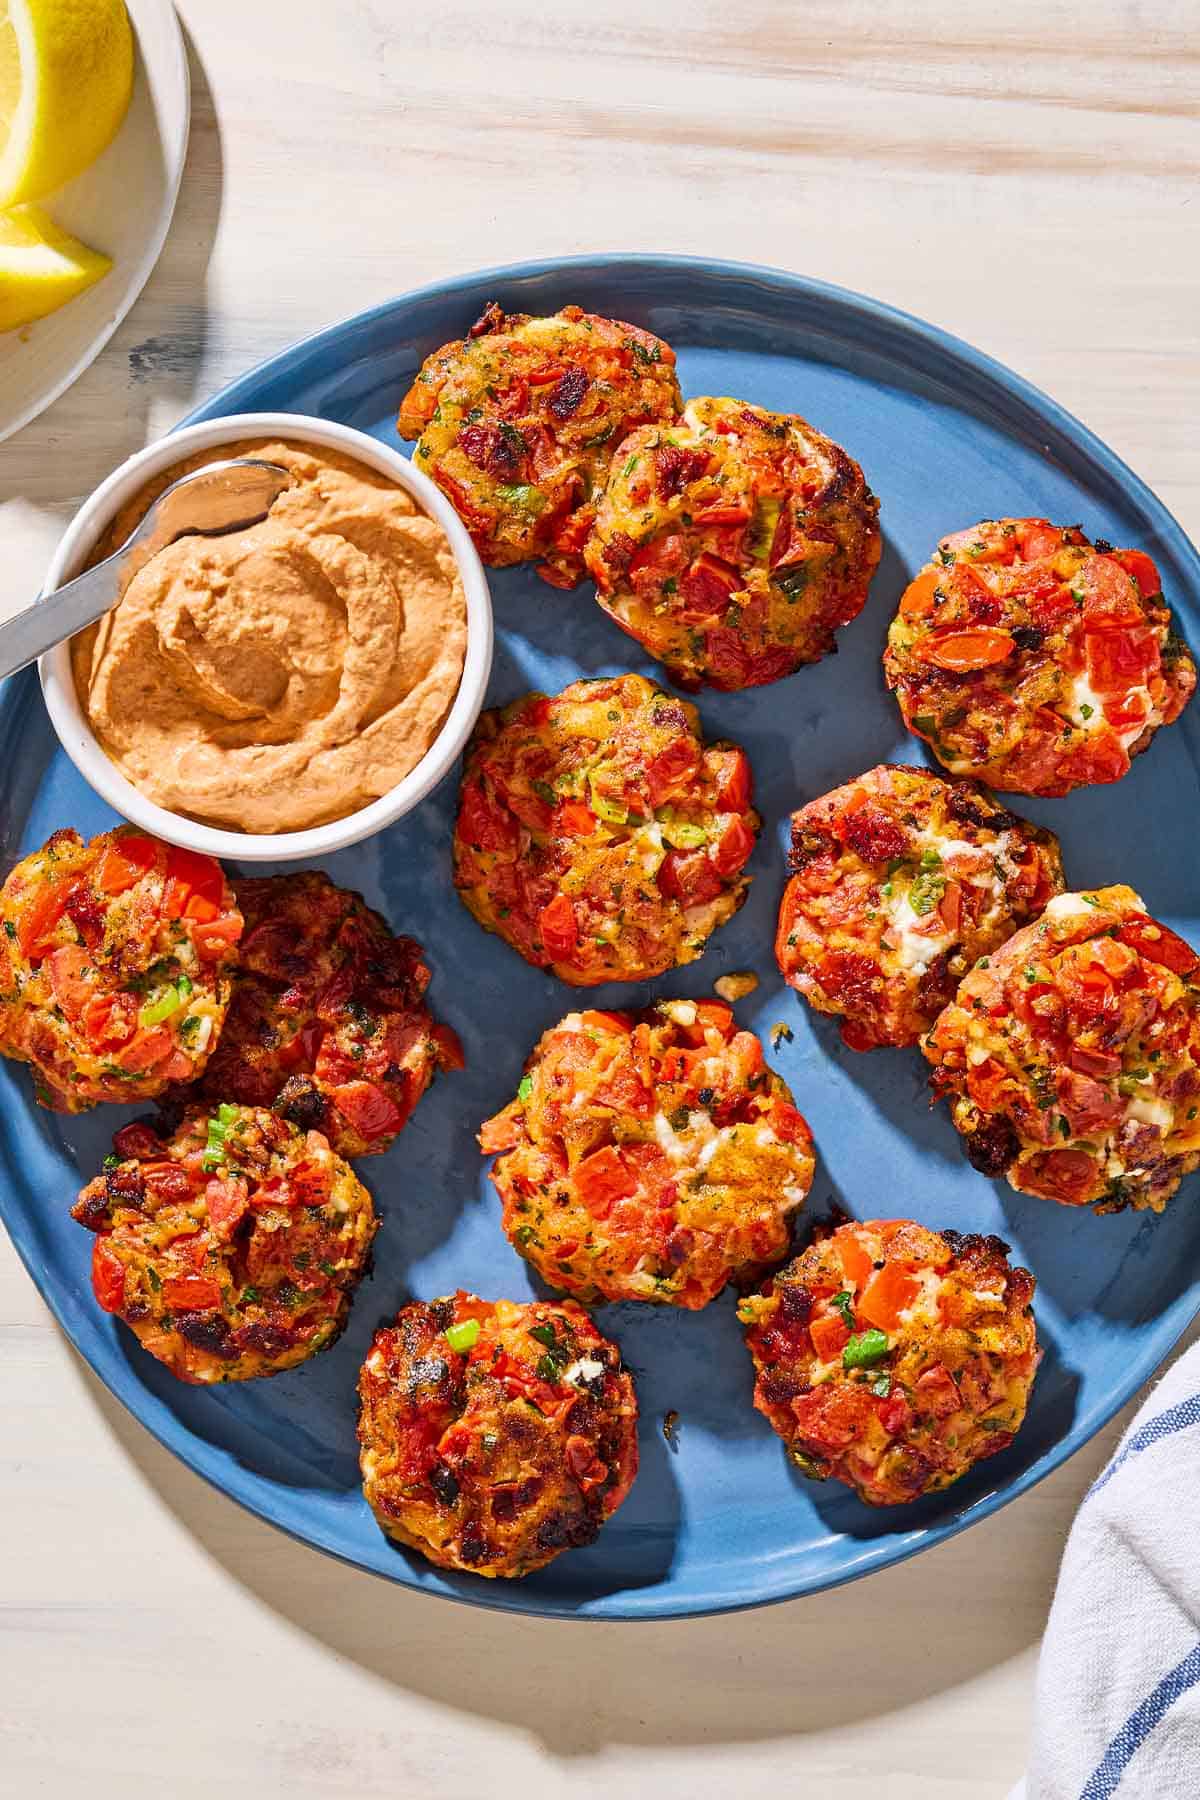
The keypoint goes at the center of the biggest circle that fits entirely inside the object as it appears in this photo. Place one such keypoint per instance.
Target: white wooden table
(1026, 177)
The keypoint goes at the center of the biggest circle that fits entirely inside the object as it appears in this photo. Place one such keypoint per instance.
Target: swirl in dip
(286, 675)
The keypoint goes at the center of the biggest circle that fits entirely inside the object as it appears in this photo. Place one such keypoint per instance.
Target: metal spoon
(214, 500)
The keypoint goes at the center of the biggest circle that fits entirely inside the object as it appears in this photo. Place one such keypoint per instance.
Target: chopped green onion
(463, 1336)
(845, 1305)
(544, 1334)
(925, 892)
(525, 498)
(525, 1087)
(865, 1349)
(609, 810)
(155, 1011)
(214, 1150)
(681, 834)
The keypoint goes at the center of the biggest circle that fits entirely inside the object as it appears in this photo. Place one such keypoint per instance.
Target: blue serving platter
(717, 1519)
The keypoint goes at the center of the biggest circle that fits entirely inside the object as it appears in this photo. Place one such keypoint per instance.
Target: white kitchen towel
(1117, 1702)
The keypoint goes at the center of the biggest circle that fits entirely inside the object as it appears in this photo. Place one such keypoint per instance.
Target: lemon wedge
(66, 74)
(41, 267)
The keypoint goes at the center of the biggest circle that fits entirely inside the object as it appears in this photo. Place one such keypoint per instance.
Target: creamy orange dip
(284, 675)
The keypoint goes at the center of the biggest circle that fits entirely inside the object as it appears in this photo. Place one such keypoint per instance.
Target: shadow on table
(137, 374)
(913, 1631)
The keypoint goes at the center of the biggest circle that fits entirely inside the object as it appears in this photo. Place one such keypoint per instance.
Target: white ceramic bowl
(76, 735)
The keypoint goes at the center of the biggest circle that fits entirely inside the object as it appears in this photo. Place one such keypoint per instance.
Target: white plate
(121, 205)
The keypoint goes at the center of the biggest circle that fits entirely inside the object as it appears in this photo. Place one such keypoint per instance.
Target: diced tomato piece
(607, 1021)
(1037, 538)
(1070, 1176)
(688, 876)
(195, 886)
(483, 823)
(1140, 566)
(1049, 600)
(917, 598)
(711, 1015)
(950, 906)
(723, 515)
(574, 819)
(887, 1294)
(39, 919)
(1086, 1103)
(450, 1053)
(938, 1391)
(215, 938)
(602, 1179)
(746, 1053)
(147, 1050)
(191, 1293)
(125, 860)
(962, 651)
(789, 1124)
(708, 585)
(658, 560)
(1100, 758)
(834, 1414)
(829, 1336)
(71, 990)
(855, 1258)
(1110, 596)
(499, 1133)
(1117, 660)
(1098, 1063)
(733, 781)
(642, 1055)
(137, 1141)
(108, 1276)
(166, 1181)
(558, 928)
(986, 1082)
(109, 1020)
(733, 850)
(1117, 958)
(894, 1413)
(370, 1110)
(975, 600)
(1158, 943)
(674, 765)
(868, 830)
(227, 1204)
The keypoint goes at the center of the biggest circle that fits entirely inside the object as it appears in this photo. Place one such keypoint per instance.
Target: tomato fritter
(493, 1436)
(893, 1358)
(733, 542)
(1071, 1056)
(328, 1022)
(902, 880)
(598, 834)
(650, 1156)
(516, 424)
(232, 1247)
(1041, 662)
(115, 961)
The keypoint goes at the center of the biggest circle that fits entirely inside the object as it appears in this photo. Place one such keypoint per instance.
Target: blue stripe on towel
(1176, 1418)
(1106, 1776)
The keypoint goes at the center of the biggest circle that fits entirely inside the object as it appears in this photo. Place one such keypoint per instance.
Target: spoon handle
(60, 615)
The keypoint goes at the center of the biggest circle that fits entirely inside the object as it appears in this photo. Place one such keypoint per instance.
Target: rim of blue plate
(1003, 384)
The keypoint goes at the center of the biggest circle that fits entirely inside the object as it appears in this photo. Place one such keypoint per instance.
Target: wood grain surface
(1025, 177)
